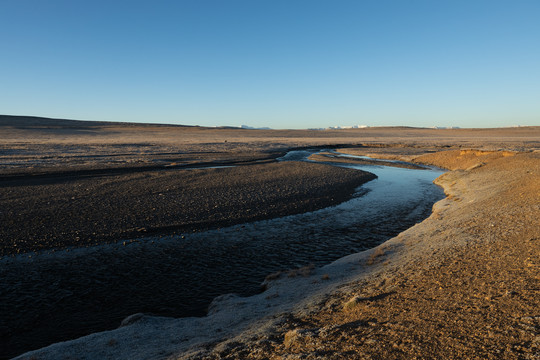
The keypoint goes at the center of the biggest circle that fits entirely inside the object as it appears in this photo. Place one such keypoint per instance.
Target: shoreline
(467, 270)
(243, 194)
(91, 210)
(344, 158)
(365, 300)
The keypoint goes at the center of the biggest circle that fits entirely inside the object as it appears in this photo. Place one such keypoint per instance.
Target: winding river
(58, 296)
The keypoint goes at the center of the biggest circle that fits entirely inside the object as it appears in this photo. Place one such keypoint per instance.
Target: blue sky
(276, 63)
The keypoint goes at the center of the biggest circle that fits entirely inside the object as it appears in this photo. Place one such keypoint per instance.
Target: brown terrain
(463, 284)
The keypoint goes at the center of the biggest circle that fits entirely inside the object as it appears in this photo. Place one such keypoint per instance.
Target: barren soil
(462, 284)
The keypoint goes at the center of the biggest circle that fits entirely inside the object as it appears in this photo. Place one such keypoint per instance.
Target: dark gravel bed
(50, 212)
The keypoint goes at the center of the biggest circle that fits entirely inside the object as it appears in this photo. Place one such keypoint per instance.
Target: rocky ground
(55, 211)
(462, 284)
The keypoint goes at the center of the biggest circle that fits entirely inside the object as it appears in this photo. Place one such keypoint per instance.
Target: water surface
(52, 297)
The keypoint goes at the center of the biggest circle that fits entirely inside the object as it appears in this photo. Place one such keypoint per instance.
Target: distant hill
(36, 121)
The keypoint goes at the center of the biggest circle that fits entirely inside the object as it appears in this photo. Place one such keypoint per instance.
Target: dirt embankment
(338, 158)
(466, 159)
(463, 284)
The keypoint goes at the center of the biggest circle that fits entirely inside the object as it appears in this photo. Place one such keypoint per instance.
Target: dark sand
(55, 211)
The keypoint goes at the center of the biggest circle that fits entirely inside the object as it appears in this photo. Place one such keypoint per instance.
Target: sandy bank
(48, 212)
(343, 158)
(462, 284)
(74, 209)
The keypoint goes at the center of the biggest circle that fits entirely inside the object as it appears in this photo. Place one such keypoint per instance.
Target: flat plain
(464, 283)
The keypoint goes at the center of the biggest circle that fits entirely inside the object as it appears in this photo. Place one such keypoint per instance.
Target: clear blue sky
(276, 63)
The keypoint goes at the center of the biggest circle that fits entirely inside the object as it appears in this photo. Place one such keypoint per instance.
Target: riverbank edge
(258, 323)
(110, 208)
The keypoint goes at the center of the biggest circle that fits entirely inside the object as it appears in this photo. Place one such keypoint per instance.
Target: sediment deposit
(464, 283)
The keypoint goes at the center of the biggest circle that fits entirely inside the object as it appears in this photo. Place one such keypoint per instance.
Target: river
(58, 296)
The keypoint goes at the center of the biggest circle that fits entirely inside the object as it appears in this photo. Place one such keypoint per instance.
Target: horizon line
(248, 127)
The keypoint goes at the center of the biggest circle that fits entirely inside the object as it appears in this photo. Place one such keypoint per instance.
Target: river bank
(416, 281)
(463, 283)
(179, 276)
(49, 221)
(54, 212)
